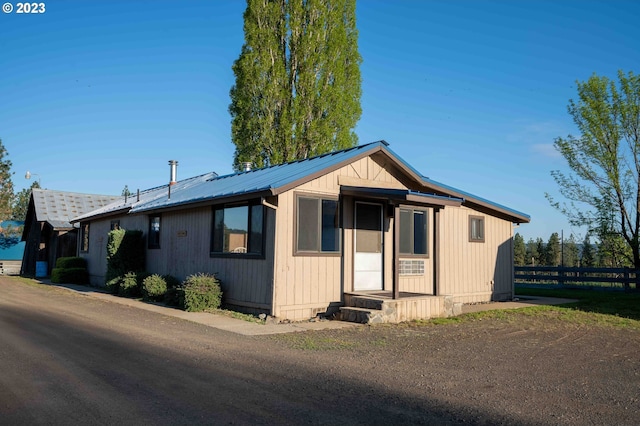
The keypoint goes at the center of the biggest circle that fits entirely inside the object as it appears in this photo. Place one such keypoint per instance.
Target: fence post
(626, 279)
(561, 276)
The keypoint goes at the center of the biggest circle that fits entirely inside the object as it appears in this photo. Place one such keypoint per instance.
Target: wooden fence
(565, 277)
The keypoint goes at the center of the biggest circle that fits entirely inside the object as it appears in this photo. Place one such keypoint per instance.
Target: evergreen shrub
(200, 292)
(172, 296)
(154, 287)
(129, 285)
(69, 276)
(71, 262)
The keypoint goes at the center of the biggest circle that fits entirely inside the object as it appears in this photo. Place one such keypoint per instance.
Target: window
(317, 225)
(413, 232)
(476, 229)
(153, 239)
(84, 237)
(238, 229)
(115, 224)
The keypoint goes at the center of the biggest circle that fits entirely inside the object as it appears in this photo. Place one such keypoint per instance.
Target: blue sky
(96, 95)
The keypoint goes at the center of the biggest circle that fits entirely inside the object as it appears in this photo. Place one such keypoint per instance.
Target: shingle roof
(58, 207)
(275, 180)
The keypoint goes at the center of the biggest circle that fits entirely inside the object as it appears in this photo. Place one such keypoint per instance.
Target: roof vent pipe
(174, 171)
(246, 166)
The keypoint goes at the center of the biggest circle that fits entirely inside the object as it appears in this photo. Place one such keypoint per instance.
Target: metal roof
(210, 188)
(58, 207)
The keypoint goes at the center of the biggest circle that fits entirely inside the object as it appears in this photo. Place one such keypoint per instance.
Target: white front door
(367, 258)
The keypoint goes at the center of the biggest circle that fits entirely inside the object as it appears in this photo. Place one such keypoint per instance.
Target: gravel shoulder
(65, 358)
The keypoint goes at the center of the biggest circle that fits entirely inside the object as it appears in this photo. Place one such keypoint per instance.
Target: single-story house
(11, 247)
(48, 233)
(358, 230)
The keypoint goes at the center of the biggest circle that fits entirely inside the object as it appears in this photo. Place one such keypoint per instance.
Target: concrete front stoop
(378, 309)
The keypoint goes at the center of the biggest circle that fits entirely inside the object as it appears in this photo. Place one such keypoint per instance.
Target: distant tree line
(609, 252)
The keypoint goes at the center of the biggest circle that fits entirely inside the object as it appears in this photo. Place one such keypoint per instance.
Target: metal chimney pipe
(174, 171)
(246, 166)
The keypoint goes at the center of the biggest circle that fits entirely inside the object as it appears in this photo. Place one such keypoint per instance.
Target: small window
(317, 225)
(115, 224)
(238, 229)
(84, 237)
(153, 239)
(476, 229)
(413, 232)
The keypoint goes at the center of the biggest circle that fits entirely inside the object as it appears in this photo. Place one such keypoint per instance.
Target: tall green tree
(6, 184)
(588, 255)
(21, 202)
(533, 256)
(570, 252)
(519, 250)
(298, 86)
(552, 250)
(603, 187)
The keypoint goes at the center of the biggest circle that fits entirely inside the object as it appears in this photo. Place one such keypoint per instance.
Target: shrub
(200, 292)
(69, 276)
(71, 262)
(154, 287)
(125, 252)
(129, 285)
(113, 285)
(172, 296)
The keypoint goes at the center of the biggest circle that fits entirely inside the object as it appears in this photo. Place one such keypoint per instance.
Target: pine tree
(6, 185)
(519, 250)
(21, 203)
(571, 252)
(588, 257)
(533, 256)
(298, 85)
(552, 250)
(541, 259)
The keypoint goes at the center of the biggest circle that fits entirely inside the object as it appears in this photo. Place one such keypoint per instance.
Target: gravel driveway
(69, 359)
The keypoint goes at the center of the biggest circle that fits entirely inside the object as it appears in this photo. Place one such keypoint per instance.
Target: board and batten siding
(475, 271)
(185, 238)
(308, 285)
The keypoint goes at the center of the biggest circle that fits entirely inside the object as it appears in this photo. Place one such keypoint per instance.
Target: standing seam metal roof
(273, 180)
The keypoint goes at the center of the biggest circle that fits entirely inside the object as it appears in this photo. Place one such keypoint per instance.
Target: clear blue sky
(96, 95)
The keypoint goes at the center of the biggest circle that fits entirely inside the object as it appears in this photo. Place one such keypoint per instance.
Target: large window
(476, 229)
(238, 229)
(84, 237)
(413, 232)
(317, 225)
(153, 239)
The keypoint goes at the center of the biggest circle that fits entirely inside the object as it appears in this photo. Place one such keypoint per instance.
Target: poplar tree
(6, 184)
(297, 89)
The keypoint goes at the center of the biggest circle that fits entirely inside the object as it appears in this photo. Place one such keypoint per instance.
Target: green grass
(616, 303)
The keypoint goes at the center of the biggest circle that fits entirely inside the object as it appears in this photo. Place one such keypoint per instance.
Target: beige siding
(184, 250)
(308, 285)
(475, 271)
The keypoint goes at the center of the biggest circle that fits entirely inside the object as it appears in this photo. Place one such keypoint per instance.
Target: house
(47, 233)
(11, 248)
(358, 230)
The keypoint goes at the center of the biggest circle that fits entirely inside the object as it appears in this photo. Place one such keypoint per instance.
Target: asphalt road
(68, 359)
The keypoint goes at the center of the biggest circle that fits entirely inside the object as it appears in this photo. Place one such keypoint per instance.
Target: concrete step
(366, 302)
(362, 315)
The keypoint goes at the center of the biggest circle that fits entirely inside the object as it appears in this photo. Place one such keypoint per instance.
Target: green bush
(129, 286)
(200, 292)
(113, 285)
(69, 276)
(154, 287)
(172, 296)
(71, 262)
(125, 252)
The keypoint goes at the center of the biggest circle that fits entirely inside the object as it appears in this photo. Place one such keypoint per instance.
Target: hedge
(71, 262)
(69, 276)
